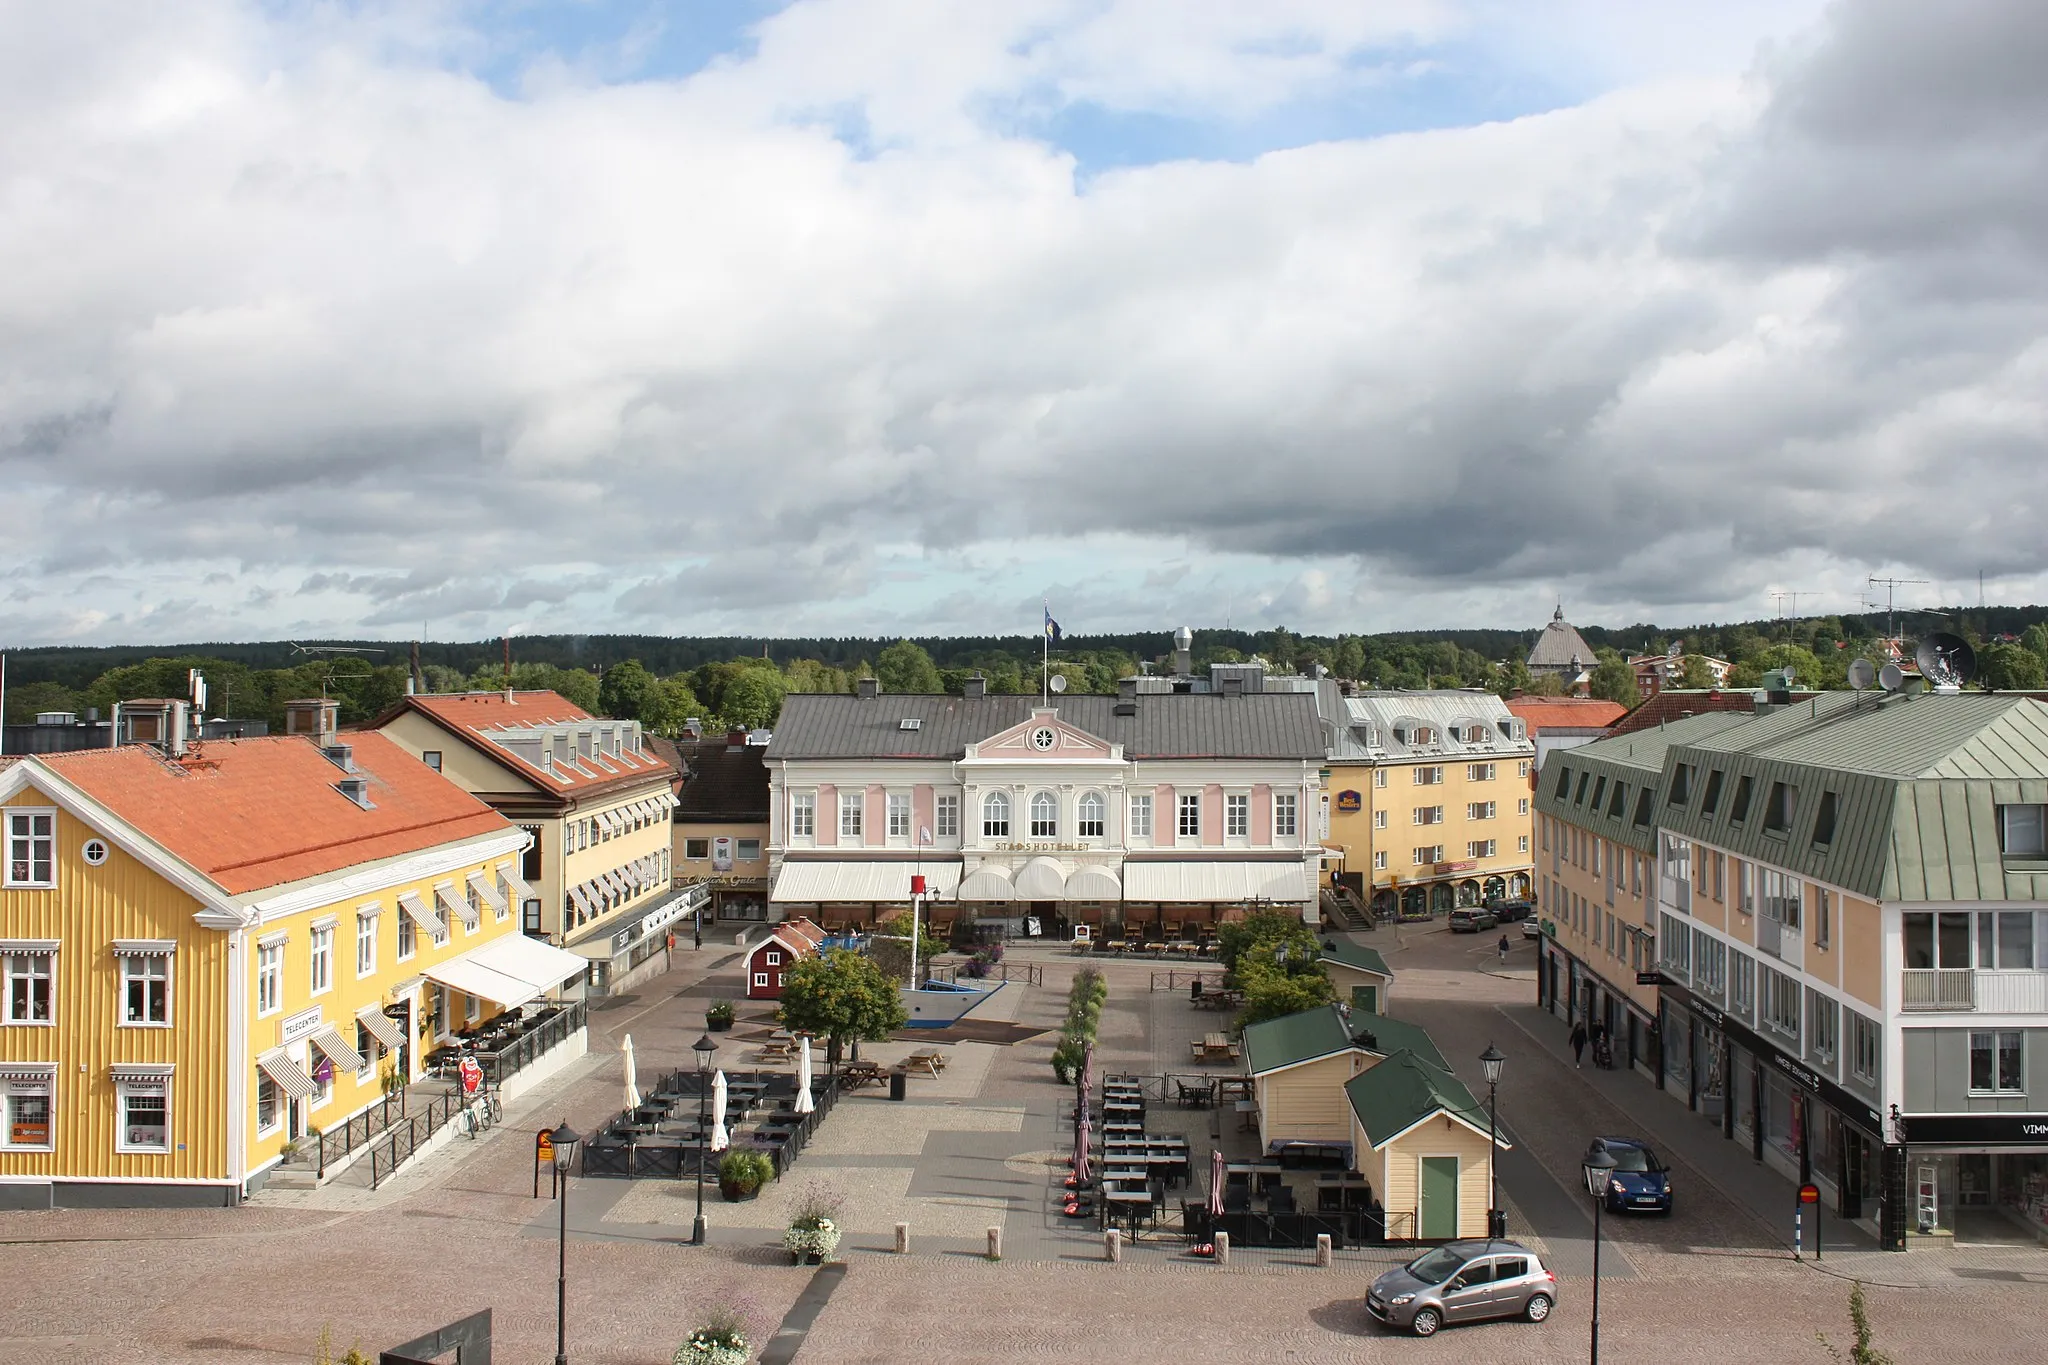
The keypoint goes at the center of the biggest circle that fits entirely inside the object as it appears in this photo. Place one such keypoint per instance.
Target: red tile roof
(253, 813)
(1565, 713)
(480, 718)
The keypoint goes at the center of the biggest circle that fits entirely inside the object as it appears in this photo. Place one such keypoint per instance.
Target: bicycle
(479, 1114)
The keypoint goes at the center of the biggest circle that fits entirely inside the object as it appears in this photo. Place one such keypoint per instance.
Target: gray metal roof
(1559, 644)
(1177, 725)
(1366, 729)
(1592, 774)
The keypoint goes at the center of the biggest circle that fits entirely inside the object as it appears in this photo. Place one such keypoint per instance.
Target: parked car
(1531, 929)
(1509, 911)
(1639, 1183)
(1472, 919)
(1463, 1282)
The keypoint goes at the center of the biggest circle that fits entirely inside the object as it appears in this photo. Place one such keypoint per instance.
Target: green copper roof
(1404, 1090)
(1600, 786)
(1357, 956)
(1324, 1032)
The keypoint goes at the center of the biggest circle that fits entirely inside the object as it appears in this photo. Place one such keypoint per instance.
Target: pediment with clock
(1045, 737)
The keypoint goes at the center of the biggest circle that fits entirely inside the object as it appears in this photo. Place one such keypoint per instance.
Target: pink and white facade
(1139, 811)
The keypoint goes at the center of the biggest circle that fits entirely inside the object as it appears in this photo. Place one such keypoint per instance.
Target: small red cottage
(767, 960)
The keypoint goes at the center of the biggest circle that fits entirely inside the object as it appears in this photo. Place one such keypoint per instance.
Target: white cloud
(306, 329)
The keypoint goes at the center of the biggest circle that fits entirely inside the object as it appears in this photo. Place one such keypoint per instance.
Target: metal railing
(396, 1146)
(356, 1131)
(525, 1050)
(1171, 980)
(610, 1156)
(1938, 989)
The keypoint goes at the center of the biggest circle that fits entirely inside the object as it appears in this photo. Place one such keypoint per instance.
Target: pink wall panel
(828, 815)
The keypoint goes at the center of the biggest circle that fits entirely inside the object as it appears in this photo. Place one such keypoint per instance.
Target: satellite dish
(1891, 677)
(1862, 673)
(1946, 661)
(1058, 682)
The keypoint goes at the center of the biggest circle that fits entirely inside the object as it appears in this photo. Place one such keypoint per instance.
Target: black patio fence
(1355, 1228)
(633, 1146)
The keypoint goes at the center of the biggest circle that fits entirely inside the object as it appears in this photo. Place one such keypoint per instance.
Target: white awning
(420, 913)
(472, 977)
(521, 890)
(487, 887)
(1224, 883)
(338, 1049)
(826, 882)
(988, 884)
(287, 1074)
(1094, 884)
(509, 970)
(1041, 879)
(382, 1027)
(580, 899)
(610, 820)
(456, 905)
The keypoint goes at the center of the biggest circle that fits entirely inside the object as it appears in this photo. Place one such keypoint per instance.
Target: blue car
(1639, 1183)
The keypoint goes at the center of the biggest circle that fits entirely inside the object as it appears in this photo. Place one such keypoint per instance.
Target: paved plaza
(982, 1146)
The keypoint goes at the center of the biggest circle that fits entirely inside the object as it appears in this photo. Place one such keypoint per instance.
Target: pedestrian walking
(1579, 1043)
(1503, 946)
(668, 950)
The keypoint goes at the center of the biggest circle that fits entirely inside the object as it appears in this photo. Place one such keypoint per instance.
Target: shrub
(745, 1171)
(719, 1012)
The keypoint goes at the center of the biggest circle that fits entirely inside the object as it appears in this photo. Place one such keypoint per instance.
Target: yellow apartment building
(1429, 800)
(211, 950)
(596, 799)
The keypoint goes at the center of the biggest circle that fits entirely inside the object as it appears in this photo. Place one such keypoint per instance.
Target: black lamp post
(1599, 1166)
(1491, 1061)
(565, 1140)
(703, 1047)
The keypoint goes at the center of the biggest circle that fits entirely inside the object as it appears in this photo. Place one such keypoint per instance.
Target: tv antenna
(298, 648)
(1779, 598)
(1891, 587)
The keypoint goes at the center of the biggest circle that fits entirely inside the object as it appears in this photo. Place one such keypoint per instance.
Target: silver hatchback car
(1463, 1282)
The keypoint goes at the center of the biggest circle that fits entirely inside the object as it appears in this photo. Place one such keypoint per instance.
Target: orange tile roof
(479, 716)
(1565, 713)
(253, 813)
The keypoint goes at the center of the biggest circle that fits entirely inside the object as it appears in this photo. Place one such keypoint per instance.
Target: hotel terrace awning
(286, 1074)
(1041, 879)
(420, 913)
(382, 1027)
(1094, 884)
(823, 882)
(989, 884)
(1218, 882)
(508, 971)
(339, 1050)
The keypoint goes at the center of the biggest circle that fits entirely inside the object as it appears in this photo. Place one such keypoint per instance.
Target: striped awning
(522, 890)
(338, 1049)
(456, 905)
(382, 1027)
(487, 887)
(610, 820)
(581, 899)
(286, 1074)
(420, 912)
(28, 1073)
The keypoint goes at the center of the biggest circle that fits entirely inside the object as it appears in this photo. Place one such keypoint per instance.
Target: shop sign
(1649, 978)
(544, 1147)
(721, 853)
(1796, 1072)
(323, 1072)
(1976, 1129)
(1047, 847)
(1456, 867)
(1349, 802)
(300, 1025)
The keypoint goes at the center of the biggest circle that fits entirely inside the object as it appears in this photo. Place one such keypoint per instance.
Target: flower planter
(736, 1194)
(811, 1245)
(688, 1354)
(717, 1025)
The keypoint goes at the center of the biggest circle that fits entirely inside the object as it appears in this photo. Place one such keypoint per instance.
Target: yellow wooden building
(1422, 1142)
(1299, 1064)
(211, 949)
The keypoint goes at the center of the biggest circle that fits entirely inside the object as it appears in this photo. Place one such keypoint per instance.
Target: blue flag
(1052, 627)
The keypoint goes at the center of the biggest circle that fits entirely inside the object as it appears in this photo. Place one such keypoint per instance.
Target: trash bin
(1496, 1223)
(899, 1084)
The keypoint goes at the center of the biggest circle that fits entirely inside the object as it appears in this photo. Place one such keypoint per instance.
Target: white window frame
(946, 816)
(852, 812)
(1379, 777)
(26, 962)
(995, 815)
(128, 964)
(2023, 831)
(23, 843)
(320, 959)
(270, 977)
(1428, 815)
(366, 939)
(760, 978)
(896, 806)
(1379, 860)
(1237, 815)
(277, 1112)
(1091, 816)
(1428, 775)
(1044, 808)
(739, 853)
(1481, 848)
(1187, 815)
(408, 944)
(127, 1087)
(1286, 815)
(1521, 843)
(1479, 772)
(803, 815)
(13, 1091)
(1140, 816)
(1379, 818)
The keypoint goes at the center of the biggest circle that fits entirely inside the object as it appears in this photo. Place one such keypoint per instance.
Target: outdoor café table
(1135, 1206)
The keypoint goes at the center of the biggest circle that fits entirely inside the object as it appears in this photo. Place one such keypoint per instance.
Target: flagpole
(1045, 658)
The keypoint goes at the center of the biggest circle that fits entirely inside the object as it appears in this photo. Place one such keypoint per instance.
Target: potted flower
(725, 1337)
(718, 1018)
(815, 1220)
(742, 1174)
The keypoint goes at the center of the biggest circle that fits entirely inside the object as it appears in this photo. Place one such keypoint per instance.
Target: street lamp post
(703, 1047)
(1599, 1165)
(1491, 1061)
(565, 1140)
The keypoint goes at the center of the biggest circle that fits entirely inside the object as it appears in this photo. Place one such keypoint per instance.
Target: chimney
(975, 686)
(317, 718)
(1183, 652)
(412, 679)
(1127, 689)
(870, 688)
(735, 740)
(1233, 684)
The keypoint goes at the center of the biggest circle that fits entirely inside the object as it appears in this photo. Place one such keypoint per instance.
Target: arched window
(995, 816)
(1088, 816)
(1045, 815)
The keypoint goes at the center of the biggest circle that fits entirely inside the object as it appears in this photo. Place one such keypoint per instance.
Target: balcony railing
(1933, 989)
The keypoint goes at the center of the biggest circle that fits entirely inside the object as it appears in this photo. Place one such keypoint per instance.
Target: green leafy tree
(1348, 659)
(1510, 678)
(1614, 680)
(2010, 668)
(2034, 639)
(1263, 928)
(1272, 990)
(622, 693)
(26, 699)
(669, 705)
(1693, 672)
(904, 668)
(843, 997)
(753, 699)
(890, 947)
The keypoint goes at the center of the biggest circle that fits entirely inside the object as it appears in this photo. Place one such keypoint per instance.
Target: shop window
(269, 1104)
(696, 849)
(27, 1117)
(144, 1115)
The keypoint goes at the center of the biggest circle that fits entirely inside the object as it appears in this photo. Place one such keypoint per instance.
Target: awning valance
(1219, 882)
(1041, 879)
(382, 1027)
(339, 1050)
(827, 882)
(287, 1075)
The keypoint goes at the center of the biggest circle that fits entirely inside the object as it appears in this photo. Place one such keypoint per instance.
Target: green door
(1366, 998)
(1439, 1198)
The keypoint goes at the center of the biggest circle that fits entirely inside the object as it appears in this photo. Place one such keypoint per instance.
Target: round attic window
(1044, 738)
(95, 851)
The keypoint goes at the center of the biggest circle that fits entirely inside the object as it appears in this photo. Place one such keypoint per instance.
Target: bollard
(1323, 1250)
(1222, 1248)
(903, 1239)
(1113, 1245)
(995, 1244)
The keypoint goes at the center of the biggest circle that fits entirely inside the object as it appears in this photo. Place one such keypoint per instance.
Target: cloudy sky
(879, 316)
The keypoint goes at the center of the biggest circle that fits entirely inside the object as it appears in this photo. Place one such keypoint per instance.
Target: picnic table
(931, 1063)
(777, 1049)
(854, 1075)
